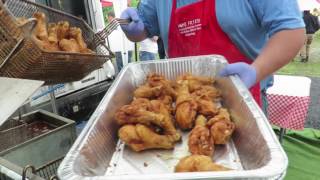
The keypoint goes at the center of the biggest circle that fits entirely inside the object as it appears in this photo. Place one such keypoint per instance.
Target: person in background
(312, 26)
(148, 49)
(257, 37)
(161, 50)
(116, 47)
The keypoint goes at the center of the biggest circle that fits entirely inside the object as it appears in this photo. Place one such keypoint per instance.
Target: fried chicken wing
(69, 45)
(209, 93)
(200, 141)
(196, 82)
(221, 127)
(40, 31)
(146, 91)
(154, 80)
(140, 137)
(186, 106)
(197, 163)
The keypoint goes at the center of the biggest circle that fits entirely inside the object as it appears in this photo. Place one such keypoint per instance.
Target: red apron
(194, 30)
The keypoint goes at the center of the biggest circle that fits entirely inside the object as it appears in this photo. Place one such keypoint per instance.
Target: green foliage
(311, 68)
(134, 3)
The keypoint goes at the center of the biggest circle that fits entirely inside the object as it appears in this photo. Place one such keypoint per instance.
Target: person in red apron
(194, 30)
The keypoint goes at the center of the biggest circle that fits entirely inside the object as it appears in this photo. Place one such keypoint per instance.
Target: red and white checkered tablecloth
(288, 112)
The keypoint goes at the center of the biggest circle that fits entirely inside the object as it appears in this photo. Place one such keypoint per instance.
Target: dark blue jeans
(146, 56)
(119, 59)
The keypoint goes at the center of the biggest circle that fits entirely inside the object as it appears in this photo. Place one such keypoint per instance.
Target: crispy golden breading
(221, 127)
(63, 30)
(186, 106)
(196, 82)
(146, 91)
(200, 141)
(197, 163)
(53, 33)
(69, 45)
(140, 137)
(40, 31)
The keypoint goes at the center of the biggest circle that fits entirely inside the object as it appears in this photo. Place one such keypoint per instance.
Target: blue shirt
(248, 23)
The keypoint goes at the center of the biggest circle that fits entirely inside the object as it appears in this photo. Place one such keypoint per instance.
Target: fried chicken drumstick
(186, 106)
(140, 137)
(200, 141)
(196, 163)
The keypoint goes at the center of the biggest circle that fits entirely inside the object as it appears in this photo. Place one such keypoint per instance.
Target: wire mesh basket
(22, 58)
(15, 132)
(47, 171)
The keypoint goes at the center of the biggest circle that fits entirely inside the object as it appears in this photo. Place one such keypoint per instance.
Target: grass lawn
(311, 68)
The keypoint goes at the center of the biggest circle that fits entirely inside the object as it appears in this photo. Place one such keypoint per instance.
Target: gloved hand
(246, 72)
(136, 27)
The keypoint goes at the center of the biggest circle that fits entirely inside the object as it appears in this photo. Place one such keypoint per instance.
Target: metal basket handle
(25, 170)
(101, 36)
(27, 28)
(54, 177)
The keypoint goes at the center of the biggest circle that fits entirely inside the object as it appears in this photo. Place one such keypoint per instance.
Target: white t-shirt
(119, 42)
(149, 46)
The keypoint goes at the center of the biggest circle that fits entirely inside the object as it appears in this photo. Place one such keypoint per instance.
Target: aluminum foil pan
(254, 151)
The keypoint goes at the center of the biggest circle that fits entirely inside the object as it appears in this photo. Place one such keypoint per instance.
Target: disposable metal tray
(254, 151)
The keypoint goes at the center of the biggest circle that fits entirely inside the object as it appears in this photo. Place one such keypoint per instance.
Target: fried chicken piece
(53, 33)
(221, 127)
(142, 103)
(46, 45)
(154, 80)
(129, 114)
(140, 137)
(167, 100)
(76, 33)
(207, 108)
(146, 91)
(69, 45)
(197, 163)
(168, 127)
(186, 107)
(207, 92)
(195, 82)
(40, 31)
(200, 141)
(63, 30)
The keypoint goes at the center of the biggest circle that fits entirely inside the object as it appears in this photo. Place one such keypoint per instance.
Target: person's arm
(281, 19)
(137, 37)
(280, 50)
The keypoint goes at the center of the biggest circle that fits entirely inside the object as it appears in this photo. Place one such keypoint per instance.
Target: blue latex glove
(136, 27)
(246, 72)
